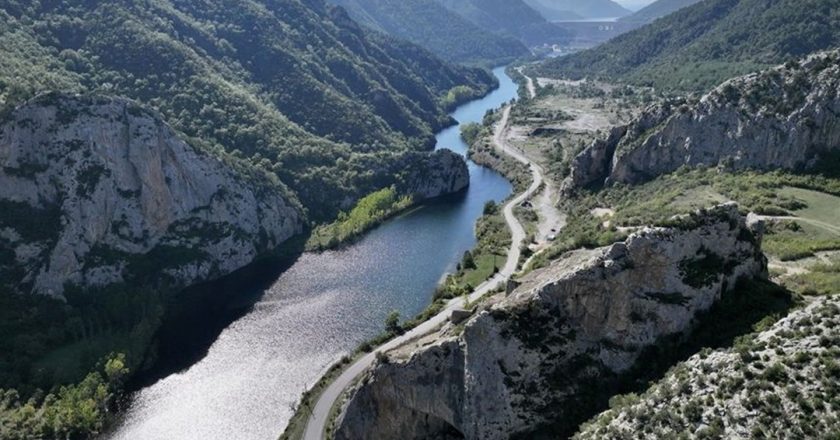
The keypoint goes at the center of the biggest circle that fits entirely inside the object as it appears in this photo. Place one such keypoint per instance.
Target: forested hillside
(560, 9)
(246, 120)
(428, 24)
(512, 17)
(658, 9)
(295, 84)
(704, 44)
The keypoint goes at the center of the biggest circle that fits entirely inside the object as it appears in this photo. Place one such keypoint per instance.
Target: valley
(381, 219)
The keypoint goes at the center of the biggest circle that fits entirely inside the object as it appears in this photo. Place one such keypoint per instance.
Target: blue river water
(322, 307)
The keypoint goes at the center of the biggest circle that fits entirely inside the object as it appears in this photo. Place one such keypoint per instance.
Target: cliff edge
(528, 364)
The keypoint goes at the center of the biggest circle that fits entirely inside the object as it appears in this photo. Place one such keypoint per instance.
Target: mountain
(552, 12)
(557, 10)
(428, 24)
(658, 9)
(511, 17)
(294, 83)
(781, 118)
(704, 44)
(535, 362)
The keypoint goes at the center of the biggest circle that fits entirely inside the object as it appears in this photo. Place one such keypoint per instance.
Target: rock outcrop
(780, 383)
(528, 364)
(96, 191)
(439, 173)
(783, 118)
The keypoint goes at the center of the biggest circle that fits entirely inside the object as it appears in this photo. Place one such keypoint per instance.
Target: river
(319, 309)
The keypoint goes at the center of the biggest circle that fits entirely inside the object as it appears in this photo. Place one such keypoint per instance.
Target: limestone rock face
(526, 363)
(786, 117)
(440, 173)
(96, 191)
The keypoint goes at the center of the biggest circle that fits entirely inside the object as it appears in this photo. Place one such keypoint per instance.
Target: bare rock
(96, 191)
(525, 365)
(783, 118)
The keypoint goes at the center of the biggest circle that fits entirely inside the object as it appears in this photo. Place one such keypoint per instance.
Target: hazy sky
(634, 4)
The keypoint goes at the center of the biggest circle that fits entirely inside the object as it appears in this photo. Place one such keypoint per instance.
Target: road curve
(319, 417)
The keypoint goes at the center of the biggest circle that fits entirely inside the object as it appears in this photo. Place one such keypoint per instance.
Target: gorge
(319, 309)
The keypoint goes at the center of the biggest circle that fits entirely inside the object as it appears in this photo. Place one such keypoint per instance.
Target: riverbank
(320, 414)
(246, 383)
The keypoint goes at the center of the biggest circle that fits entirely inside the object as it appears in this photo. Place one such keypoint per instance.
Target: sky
(634, 4)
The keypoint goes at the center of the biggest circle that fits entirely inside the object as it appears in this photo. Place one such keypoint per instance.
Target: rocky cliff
(437, 174)
(786, 117)
(780, 383)
(96, 191)
(530, 364)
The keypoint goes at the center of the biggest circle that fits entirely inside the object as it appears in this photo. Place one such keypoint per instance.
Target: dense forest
(706, 43)
(297, 86)
(428, 24)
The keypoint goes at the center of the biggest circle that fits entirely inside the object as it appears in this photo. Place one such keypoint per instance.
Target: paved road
(318, 419)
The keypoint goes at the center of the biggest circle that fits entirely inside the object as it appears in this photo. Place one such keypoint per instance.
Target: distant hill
(551, 12)
(658, 9)
(512, 17)
(708, 42)
(436, 28)
(569, 9)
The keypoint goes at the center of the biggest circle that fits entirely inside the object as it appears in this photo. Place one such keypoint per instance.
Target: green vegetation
(706, 43)
(471, 132)
(369, 212)
(655, 202)
(488, 256)
(309, 95)
(71, 411)
(784, 377)
(820, 279)
(427, 23)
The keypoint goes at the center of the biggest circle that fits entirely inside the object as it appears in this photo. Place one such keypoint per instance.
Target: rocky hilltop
(786, 117)
(531, 364)
(97, 191)
(437, 174)
(780, 383)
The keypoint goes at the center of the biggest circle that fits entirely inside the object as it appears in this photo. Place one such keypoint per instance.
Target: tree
(392, 323)
(468, 262)
(490, 208)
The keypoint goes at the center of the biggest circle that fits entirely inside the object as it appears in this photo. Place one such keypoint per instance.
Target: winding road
(319, 417)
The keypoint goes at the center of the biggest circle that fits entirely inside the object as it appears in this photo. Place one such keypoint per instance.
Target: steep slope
(297, 84)
(114, 189)
(780, 383)
(658, 9)
(428, 24)
(707, 43)
(511, 17)
(558, 9)
(532, 363)
(786, 117)
(106, 214)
